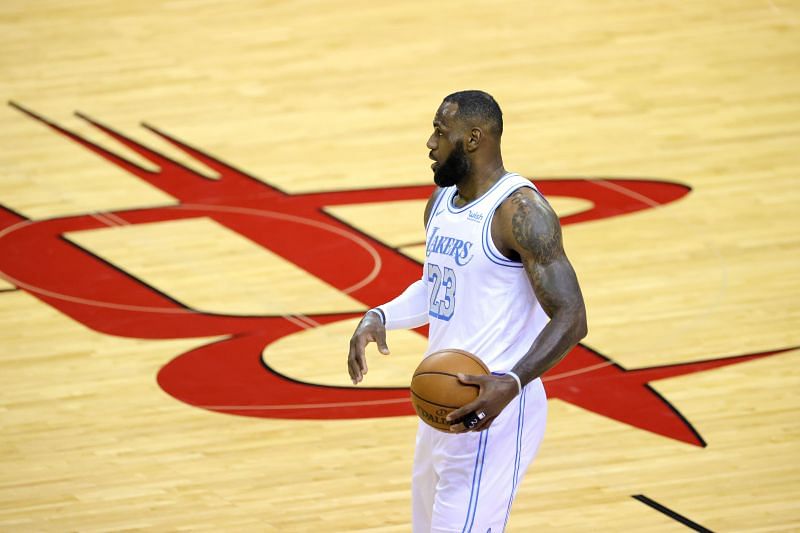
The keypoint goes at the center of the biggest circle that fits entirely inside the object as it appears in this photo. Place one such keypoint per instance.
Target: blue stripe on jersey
(517, 456)
(474, 471)
(493, 256)
(500, 261)
(476, 481)
(480, 475)
(436, 203)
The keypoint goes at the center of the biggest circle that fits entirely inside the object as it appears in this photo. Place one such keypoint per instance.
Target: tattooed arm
(534, 235)
(526, 228)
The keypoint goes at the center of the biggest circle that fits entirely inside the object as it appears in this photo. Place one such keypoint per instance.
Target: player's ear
(474, 139)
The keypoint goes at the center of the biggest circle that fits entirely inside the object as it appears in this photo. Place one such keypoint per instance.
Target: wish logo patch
(475, 216)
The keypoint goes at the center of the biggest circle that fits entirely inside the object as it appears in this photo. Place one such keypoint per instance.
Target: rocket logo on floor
(229, 375)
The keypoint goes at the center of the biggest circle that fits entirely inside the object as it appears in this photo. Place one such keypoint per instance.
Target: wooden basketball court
(182, 262)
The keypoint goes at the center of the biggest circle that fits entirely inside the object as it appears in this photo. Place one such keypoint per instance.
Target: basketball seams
(436, 389)
(434, 382)
(462, 352)
(440, 373)
(434, 403)
(431, 359)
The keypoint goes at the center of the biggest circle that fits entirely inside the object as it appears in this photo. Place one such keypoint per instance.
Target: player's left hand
(495, 393)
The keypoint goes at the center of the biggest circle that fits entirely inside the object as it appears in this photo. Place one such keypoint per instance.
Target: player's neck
(479, 181)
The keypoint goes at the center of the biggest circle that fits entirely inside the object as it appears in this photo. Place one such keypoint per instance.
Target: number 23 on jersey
(443, 291)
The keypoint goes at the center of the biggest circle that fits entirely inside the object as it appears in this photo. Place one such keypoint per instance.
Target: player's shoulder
(528, 225)
(526, 204)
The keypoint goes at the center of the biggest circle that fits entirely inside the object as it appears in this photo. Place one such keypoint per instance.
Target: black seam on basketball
(434, 403)
(437, 373)
(465, 353)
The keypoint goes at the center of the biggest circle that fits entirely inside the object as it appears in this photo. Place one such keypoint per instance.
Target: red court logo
(229, 376)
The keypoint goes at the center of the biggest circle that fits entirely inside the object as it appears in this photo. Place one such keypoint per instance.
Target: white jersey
(479, 300)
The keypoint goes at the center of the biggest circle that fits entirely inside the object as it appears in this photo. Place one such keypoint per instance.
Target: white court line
(308, 320)
(626, 191)
(106, 218)
(304, 406)
(116, 218)
(102, 219)
(297, 322)
(579, 371)
(376, 258)
(723, 288)
(365, 403)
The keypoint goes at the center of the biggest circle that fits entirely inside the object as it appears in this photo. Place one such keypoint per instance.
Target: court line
(584, 370)
(76, 299)
(376, 258)
(297, 321)
(111, 219)
(103, 219)
(115, 217)
(302, 406)
(308, 320)
(630, 193)
(723, 287)
(108, 219)
(273, 407)
(670, 513)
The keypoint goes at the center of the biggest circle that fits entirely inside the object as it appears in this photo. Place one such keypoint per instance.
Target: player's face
(446, 146)
(454, 169)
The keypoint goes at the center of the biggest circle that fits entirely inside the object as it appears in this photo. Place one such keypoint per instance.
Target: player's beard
(454, 169)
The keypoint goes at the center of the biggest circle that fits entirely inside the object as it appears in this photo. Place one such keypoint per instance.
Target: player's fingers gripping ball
(436, 390)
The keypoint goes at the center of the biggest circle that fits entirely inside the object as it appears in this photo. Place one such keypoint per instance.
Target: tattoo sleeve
(537, 238)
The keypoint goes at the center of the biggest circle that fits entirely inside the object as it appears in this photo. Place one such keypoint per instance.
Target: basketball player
(497, 283)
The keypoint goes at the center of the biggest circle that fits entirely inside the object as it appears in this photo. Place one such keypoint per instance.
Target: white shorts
(466, 482)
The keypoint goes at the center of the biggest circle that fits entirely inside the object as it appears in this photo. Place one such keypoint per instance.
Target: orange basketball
(436, 390)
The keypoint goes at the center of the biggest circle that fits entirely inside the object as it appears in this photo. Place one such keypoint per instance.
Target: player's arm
(409, 310)
(535, 234)
(527, 227)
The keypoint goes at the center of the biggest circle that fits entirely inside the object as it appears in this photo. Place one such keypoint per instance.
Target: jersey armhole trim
(492, 253)
(442, 193)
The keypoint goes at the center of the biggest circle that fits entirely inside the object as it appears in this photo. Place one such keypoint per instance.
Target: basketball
(436, 390)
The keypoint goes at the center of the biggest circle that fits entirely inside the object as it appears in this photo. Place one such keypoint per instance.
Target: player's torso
(479, 300)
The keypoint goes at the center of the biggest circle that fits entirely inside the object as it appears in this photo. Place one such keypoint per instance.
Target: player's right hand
(370, 329)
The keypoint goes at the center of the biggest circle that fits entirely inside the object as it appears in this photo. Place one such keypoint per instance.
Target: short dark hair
(478, 105)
